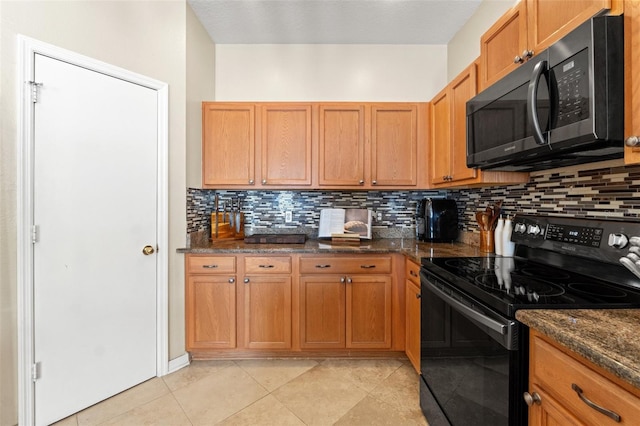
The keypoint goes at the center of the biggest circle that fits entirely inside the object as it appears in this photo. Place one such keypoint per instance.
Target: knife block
(223, 229)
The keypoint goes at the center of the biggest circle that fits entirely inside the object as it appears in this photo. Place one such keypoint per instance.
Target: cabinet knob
(526, 54)
(246, 280)
(264, 181)
(349, 280)
(531, 399)
(232, 280)
(250, 181)
(343, 280)
(361, 181)
(518, 60)
(418, 295)
(374, 182)
(632, 141)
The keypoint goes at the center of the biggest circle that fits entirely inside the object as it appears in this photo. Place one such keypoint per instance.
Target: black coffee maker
(437, 220)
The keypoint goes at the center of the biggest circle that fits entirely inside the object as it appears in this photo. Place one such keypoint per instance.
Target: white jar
(497, 236)
(508, 246)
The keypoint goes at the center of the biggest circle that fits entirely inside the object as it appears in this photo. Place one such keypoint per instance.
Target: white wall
(321, 72)
(200, 87)
(147, 37)
(464, 47)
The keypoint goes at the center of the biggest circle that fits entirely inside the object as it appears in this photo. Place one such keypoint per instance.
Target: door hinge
(34, 234)
(35, 371)
(34, 91)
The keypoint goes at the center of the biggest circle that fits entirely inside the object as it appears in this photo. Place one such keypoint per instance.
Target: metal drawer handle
(266, 266)
(413, 273)
(323, 266)
(210, 266)
(595, 406)
(367, 266)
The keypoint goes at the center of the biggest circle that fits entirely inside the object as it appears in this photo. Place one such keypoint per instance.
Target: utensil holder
(487, 242)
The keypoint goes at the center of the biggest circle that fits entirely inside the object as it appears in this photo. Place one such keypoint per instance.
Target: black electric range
(558, 263)
(474, 353)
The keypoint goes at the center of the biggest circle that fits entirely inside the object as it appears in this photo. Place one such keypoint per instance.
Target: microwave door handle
(532, 101)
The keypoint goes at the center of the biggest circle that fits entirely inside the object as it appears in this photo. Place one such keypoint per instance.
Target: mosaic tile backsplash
(611, 192)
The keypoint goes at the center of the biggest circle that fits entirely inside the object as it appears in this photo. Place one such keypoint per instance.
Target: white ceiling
(333, 21)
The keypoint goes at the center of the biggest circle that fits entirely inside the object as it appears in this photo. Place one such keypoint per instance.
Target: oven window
(466, 370)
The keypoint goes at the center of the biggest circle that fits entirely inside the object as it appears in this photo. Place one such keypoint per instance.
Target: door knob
(147, 250)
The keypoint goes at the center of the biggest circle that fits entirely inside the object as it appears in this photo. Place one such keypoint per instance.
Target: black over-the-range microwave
(562, 107)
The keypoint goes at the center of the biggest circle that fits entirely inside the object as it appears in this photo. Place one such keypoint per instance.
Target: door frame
(26, 50)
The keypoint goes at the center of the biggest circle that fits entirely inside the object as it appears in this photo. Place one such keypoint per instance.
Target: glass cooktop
(511, 283)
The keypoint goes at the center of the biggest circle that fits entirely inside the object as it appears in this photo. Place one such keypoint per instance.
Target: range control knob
(520, 228)
(618, 240)
(534, 230)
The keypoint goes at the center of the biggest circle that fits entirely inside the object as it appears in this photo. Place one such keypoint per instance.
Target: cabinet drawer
(346, 265)
(412, 271)
(211, 264)
(267, 265)
(558, 373)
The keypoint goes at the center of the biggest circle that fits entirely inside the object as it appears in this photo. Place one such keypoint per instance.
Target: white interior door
(95, 198)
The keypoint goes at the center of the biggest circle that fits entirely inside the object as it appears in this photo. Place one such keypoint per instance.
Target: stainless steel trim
(469, 312)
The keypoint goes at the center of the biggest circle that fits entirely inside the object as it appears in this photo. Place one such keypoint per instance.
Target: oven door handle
(469, 312)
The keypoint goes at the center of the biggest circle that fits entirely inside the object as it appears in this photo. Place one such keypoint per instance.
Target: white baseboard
(178, 363)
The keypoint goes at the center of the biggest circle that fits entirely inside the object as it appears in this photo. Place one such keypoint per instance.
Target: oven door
(473, 360)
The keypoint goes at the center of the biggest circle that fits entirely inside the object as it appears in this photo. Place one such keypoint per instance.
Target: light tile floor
(268, 392)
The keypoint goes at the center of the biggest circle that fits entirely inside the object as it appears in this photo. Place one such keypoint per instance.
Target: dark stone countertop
(606, 337)
(411, 248)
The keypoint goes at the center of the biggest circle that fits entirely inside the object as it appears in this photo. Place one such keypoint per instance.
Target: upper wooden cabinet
(528, 28)
(341, 145)
(228, 144)
(394, 145)
(285, 144)
(372, 146)
(314, 145)
(256, 145)
(448, 146)
(506, 39)
(632, 78)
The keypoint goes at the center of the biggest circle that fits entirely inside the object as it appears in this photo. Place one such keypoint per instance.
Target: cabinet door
(322, 312)
(341, 145)
(632, 78)
(368, 312)
(412, 323)
(286, 144)
(211, 312)
(463, 88)
(267, 312)
(394, 145)
(550, 20)
(228, 143)
(505, 40)
(440, 137)
(549, 412)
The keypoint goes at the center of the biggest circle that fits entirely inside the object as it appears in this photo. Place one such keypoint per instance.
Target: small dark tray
(275, 239)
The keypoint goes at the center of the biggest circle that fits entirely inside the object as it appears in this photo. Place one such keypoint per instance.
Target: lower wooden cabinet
(412, 313)
(280, 304)
(323, 312)
(210, 295)
(345, 303)
(566, 389)
(267, 312)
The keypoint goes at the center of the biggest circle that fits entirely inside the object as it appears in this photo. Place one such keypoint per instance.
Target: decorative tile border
(265, 210)
(606, 193)
(610, 192)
